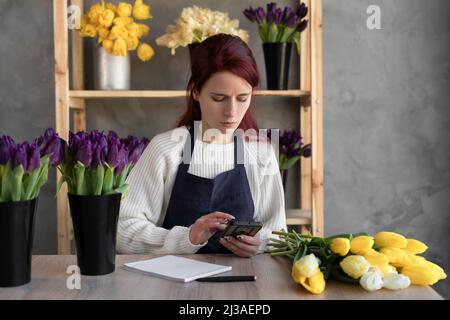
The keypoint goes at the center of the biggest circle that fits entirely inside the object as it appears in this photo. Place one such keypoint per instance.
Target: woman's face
(224, 100)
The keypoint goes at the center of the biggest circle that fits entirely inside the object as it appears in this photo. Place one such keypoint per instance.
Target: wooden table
(273, 282)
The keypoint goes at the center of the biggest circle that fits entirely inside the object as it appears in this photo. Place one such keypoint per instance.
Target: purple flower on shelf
(33, 157)
(19, 156)
(279, 25)
(6, 148)
(291, 149)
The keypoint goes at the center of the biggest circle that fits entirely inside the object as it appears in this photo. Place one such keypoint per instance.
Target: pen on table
(227, 279)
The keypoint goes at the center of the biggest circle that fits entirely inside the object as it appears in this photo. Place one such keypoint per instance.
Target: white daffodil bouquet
(195, 24)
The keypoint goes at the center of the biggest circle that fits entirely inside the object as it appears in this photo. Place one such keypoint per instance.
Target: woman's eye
(218, 99)
(242, 99)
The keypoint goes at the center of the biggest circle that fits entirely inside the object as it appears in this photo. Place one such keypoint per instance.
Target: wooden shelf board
(298, 217)
(94, 94)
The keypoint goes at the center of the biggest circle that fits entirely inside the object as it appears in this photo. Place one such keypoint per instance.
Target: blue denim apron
(194, 196)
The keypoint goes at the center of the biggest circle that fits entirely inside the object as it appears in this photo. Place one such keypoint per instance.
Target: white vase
(113, 71)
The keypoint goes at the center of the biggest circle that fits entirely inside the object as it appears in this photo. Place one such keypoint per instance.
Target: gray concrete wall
(386, 119)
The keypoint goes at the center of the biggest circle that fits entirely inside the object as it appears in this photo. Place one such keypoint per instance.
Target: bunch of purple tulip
(291, 149)
(98, 164)
(279, 25)
(24, 166)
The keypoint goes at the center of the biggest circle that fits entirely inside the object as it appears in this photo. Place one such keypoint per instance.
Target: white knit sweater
(143, 210)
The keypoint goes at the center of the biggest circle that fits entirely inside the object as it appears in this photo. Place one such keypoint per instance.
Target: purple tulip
(271, 7)
(292, 21)
(113, 154)
(290, 143)
(302, 26)
(19, 156)
(287, 12)
(51, 144)
(122, 159)
(260, 15)
(134, 155)
(33, 157)
(112, 137)
(7, 145)
(99, 148)
(278, 16)
(250, 14)
(270, 17)
(306, 151)
(84, 153)
(302, 11)
(135, 148)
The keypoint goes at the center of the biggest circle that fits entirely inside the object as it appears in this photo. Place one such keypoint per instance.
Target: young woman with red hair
(190, 181)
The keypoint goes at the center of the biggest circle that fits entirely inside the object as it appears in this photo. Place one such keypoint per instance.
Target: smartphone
(235, 228)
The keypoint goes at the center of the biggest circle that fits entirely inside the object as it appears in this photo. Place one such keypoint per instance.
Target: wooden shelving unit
(311, 214)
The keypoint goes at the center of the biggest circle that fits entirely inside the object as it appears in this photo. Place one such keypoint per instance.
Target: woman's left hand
(244, 246)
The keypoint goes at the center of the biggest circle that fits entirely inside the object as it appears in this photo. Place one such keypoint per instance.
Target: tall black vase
(277, 57)
(95, 221)
(16, 241)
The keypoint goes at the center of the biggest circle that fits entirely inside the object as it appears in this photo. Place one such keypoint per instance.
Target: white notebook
(176, 268)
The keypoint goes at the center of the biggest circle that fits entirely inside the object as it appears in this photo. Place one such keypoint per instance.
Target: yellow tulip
(88, 30)
(355, 266)
(103, 32)
(414, 259)
(145, 52)
(124, 9)
(122, 21)
(141, 11)
(340, 246)
(132, 43)
(361, 245)
(307, 265)
(106, 18)
(143, 29)
(397, 257)
(314, 284)
(440, 273)
(390, 239)
(133, 29)
(415, 246)
(94, 12)
(376, 258)
(120, 47)
(108, 45)
(111, 7)
(118, 32)
(421, 275)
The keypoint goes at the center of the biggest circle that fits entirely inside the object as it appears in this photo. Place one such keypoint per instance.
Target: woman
(192, 180)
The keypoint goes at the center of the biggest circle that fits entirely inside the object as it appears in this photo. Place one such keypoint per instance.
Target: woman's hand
(243, 246)
(205, 226)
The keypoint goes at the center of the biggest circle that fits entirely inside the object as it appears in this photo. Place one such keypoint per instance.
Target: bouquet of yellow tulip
(116, 29)
(388, 260)
(195, 24)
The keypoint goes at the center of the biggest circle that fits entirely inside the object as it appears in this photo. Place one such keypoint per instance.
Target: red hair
(221, 52)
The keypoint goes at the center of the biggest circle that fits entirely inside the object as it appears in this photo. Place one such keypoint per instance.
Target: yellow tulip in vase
(118, 32)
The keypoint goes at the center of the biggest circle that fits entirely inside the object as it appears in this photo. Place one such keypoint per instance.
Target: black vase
(16, 241)
(277, 57)
(95, 221)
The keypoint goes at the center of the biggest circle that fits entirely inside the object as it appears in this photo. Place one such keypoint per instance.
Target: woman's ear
(195, 94)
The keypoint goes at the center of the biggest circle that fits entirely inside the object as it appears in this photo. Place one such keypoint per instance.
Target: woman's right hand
(205, 226)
